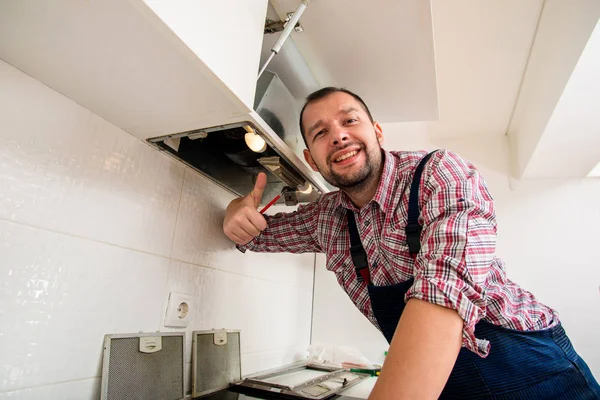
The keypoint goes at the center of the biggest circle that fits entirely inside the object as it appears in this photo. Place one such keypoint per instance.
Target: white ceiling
(570, 143)
(481, 51)
(381, 49)
(453, 69)
(554, 129)
(502, 68)
(595, 172)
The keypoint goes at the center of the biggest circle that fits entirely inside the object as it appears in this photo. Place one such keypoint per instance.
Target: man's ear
(310, 160)
(378, 132)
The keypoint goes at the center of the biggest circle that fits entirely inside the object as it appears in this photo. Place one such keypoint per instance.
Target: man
(422, 269)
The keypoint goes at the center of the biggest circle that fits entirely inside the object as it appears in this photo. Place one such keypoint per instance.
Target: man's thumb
(259, 188)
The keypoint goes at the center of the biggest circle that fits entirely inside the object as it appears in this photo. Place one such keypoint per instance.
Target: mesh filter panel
(134, 375)
(215, 366)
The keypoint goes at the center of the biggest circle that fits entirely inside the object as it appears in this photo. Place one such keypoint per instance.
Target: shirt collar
(385, 189)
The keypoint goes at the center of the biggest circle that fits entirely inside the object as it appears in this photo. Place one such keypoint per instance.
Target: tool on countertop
(372, 372)
(370, 369)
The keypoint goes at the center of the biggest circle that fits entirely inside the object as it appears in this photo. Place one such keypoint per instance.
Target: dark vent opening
(221, 153)
(224, 156)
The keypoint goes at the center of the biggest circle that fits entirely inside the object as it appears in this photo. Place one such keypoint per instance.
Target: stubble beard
(357, 180)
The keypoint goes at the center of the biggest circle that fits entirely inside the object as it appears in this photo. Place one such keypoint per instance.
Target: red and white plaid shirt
(456, 266)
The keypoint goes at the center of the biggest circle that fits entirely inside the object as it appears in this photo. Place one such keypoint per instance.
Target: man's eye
(320, 132)
(351, 120)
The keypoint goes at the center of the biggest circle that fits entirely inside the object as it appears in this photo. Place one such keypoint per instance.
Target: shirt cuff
(450, 295)
(251, 245)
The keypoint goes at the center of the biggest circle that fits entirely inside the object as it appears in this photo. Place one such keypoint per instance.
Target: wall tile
(59, 295)
(270, 315)
(199, 239)
(337, 321)
(264, 360)
(77, 390)
(66, 169)
(78, 197)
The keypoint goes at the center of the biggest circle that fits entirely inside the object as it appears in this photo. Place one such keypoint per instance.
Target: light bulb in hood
(255, 142)
(306, 188)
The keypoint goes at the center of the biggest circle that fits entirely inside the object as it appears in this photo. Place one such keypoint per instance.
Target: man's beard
(356, 180)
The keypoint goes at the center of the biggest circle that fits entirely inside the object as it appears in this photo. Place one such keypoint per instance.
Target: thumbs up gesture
(242, 221)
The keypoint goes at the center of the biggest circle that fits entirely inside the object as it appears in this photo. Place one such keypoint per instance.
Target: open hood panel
(222, 153)
(151, 69)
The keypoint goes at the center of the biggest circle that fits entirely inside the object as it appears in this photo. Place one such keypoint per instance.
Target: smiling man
(411, 238)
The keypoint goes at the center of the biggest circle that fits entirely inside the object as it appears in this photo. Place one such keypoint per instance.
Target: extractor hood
(168, 74)
(223, 153)
(232, 155)
(183, 73)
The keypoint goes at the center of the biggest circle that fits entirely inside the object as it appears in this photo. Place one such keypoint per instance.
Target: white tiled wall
(260, 308)
(66, 169)
(196, 242)
(73, 390)
(61, 293)
(96, 228)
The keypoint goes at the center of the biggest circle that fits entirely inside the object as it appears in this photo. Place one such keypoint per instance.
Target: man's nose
(338, 135)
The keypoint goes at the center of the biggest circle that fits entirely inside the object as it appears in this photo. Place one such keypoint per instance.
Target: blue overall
(532, 365)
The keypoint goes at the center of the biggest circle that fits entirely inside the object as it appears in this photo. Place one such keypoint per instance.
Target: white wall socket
(179, 310)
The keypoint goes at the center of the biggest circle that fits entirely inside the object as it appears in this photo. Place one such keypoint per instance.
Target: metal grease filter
(134, 375)
(215, 366)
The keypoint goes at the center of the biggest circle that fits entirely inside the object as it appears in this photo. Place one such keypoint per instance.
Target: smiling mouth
(346, 156)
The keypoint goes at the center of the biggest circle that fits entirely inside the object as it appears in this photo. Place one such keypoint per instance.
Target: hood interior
(221, 153)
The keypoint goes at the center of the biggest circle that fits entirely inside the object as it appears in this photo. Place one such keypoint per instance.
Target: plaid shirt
(456, 266)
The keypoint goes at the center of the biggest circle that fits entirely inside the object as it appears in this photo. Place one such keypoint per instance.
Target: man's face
(343, 144)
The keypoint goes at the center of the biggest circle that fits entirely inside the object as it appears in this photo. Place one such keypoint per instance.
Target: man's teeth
(347, 155)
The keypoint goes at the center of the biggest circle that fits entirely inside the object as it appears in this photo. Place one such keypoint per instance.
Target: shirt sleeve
(457, 243)
(294, 232)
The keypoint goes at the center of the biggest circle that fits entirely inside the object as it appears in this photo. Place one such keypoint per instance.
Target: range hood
(222, 153)
(171, 76)
(183, 73)
(232, 155)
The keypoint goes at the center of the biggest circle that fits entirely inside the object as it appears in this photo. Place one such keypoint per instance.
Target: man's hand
(242, 220)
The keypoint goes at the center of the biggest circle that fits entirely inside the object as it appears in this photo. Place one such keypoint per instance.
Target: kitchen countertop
(360, 391)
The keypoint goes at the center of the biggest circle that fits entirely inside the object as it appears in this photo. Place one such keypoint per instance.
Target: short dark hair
(321, 94)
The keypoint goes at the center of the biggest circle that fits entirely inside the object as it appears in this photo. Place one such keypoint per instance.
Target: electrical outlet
(179, 310)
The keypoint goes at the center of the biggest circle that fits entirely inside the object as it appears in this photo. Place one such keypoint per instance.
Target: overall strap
(413, 228)
(359, 255)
